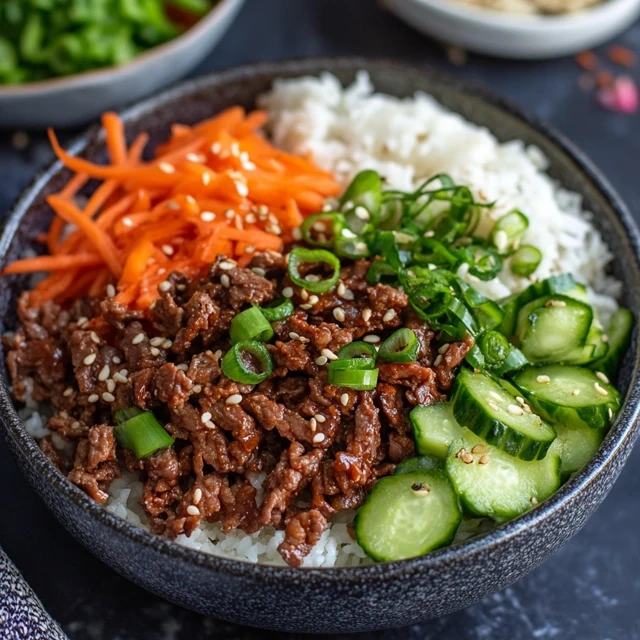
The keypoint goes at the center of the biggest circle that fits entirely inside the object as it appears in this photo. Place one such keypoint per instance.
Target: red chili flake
(622, 97)
(604, 80)
(622, 56)
(587, 60)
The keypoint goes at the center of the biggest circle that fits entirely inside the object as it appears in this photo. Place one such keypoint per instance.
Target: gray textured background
(588, 590)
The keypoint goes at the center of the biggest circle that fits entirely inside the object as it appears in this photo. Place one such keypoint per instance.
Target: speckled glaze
(352, 599)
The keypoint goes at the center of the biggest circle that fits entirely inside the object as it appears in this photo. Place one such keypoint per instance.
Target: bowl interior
(199, 99)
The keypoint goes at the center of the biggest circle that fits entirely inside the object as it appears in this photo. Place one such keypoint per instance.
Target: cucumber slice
(484, 406)
(418, 463)
(619, 337)
(495, 484)
(561, 284)
(551, 391)
(408, 515)
(510, 309)
(434, 427)
(552, 328)
(576, 447)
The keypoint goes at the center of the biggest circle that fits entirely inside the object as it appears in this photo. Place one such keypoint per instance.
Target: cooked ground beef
(322, 447)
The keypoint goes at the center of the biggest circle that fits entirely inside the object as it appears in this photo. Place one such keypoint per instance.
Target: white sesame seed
(64, 414)
(348, 295)
(610, 413)
(293, 335)
(319, 437)
(226, 265)
(197, 495)
(111, 385)
(167, 249)
(165, 167)
(236, 398)
(320, 418)
(327, 353)
(371, 339)
(602, 377)
(437, 361)
(304, 294)
(341, 289)
(542, 379)
(216, 147)
(104, 373)
(192, 510)
(82, 320)
(67, 392)
(138, 338)
(108, 397)
(520, 400)
(312, 277)
(116, 360)
(194, 157)
(362, 213)
(183, 367)
(218, 354)
(242, 189)
(75, 424)
(164, 286)
(259, 271)
(515, 410)
(94, 336)
(118, 377)
(444, 348)
(93, 398)
(366, 314)
(197, 388)
(207, 216)
(321, 360)
(154, 351)
(225, 281)
(205, 417)
(314, 299)
(429, 234)
(501, 240)
(166, 344)
(347, 233)
(90, 359)
(209, 424)
(575, 392)
(344, 399)
(313, 423)
(389, 315)
(601, 390)
(306, 306)
(157, 341)
(494, 406)
(111, 291)
(287, 292)
(339, 315)
(496, 396)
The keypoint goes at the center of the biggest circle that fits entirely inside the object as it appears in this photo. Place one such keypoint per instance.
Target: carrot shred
(215, 187)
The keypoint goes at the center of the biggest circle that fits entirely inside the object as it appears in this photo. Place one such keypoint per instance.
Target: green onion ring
(141, 432)
(357, 379)
(299, 256)
(236, 362)
(400, 346)
(358, 349)
(277, 309)
(250, 324)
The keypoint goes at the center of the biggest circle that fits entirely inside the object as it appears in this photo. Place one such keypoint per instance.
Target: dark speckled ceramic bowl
(351, 599)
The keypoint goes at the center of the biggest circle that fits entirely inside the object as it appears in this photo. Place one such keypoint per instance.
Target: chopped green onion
(300, 256)
(494, 347)
(380, 271)
(250, 324)
(348, 364)
(247, 362)
(141, 432)
(509, 229)
(525, 260)
(365, 191)
(357, 379)
(322, 229)
(400, 346)
(278, 309)
(358, 350)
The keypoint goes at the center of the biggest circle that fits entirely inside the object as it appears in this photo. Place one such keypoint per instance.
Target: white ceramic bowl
(516, 36)
(73, 100)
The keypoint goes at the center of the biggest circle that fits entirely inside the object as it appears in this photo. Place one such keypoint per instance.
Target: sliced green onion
(300, 256)
(250, 324)
(525, 260)
(508, 229)
(365, 191)
(400, 346)
(141, 433)
(348, 364)
(278, 309)
(322, 229)
(247, 362)
(495, 347)
(357, 379)
(358, 349)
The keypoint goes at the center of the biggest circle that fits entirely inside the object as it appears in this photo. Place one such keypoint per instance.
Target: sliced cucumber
(484, 406)
(434, 427)
(577, 447)
(495, 484)
(418, 463)
(619, 337)
(408, 515)
(572, 396)
(510, 309)
(553, 328)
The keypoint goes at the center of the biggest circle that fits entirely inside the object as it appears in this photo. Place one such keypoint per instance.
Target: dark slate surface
(588, 590)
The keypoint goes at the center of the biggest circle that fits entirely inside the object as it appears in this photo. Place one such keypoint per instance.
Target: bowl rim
(624, 430)
(533, 23)
(181, 42)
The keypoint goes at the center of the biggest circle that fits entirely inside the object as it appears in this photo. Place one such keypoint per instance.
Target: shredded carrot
(215, 187)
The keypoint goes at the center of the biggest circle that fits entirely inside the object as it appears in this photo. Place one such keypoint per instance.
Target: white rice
(407, 141)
